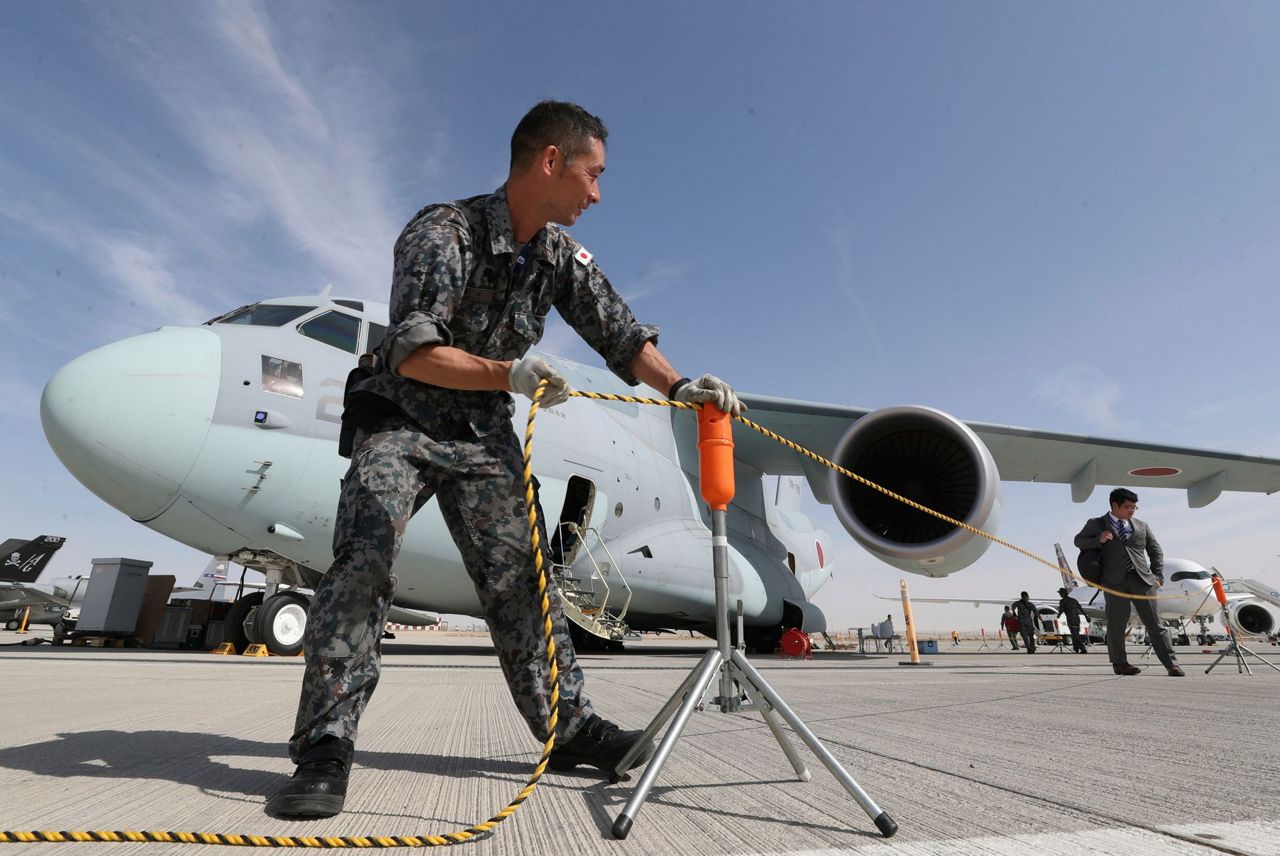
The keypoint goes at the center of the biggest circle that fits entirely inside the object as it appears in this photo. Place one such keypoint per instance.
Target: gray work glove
(527, 372)
(710, 388)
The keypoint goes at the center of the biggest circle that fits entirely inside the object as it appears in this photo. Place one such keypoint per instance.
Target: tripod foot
(884, 823)
(622, 826)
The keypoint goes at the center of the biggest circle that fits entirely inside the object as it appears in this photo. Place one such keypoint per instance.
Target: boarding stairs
(593, 591)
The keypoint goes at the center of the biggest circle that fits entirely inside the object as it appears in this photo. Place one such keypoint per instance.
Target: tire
(236, 617)
(12, 624)
(59, 633)
(281, 623)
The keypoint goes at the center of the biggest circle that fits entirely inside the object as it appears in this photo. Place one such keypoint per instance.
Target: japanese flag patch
(582, 257)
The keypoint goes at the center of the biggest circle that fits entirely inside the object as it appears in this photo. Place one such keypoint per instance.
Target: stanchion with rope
(737, 675)
(1234, 648)
(736, 672)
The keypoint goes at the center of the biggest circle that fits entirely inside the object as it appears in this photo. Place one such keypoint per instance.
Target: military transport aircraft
(223, 436)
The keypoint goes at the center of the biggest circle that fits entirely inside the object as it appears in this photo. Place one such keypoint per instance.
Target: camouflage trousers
(480, 489)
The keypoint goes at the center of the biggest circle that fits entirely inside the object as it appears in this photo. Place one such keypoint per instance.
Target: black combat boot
(319, 785)
(601, 744)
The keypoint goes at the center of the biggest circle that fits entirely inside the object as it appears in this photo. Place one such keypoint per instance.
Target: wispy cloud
(1084, 392)
(655, 279)
(850, 283)
(284, 148)
(145, 275)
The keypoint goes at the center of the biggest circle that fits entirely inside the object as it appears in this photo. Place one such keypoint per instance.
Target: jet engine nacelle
(927, 456)
(1250, 619)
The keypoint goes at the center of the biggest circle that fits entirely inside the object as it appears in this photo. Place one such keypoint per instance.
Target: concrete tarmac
(982, 752)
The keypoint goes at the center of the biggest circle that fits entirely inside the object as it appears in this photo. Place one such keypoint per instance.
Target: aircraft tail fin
(23, 561)
(787, 493)
(1064, 568)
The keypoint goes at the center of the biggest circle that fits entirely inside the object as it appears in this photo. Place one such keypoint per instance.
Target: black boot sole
(564, 765)
(305, 805)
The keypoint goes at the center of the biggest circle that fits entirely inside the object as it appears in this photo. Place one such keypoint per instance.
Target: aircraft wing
(18, 596)
(1090, 609)
(1021, 454)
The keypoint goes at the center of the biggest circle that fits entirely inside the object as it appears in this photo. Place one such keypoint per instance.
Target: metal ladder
(586, 598)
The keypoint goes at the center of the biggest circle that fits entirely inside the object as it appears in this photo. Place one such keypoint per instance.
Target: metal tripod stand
(737, 675)
(1234, 647)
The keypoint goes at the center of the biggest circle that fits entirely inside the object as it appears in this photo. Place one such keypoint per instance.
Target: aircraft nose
(130, 418)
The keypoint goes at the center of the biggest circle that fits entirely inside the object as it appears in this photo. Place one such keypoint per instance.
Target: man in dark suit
(1125, 545)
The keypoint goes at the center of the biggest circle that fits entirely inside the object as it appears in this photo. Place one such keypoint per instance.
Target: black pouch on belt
(361, 409)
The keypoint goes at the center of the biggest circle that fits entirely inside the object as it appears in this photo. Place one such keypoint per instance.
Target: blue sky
(1060, 216)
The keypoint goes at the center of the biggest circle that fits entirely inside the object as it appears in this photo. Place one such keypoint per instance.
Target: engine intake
(931, 458)
(1250, 619)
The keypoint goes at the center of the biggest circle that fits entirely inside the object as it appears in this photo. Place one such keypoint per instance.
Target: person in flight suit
(1028, 620)
(1009, 622)
(472, 284)
(1071, 608)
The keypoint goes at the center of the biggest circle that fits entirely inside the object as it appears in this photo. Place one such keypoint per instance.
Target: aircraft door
(576, 514)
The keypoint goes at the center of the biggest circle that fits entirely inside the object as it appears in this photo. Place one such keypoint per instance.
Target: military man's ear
(548, 158)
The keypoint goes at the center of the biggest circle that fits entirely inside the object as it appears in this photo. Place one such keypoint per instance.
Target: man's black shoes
(319, 785)
(1125, 669)
(599, 743)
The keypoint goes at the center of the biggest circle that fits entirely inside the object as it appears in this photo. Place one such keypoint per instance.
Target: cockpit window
(377, 332)
(263, 315)
(337, 329)
(1189, 575)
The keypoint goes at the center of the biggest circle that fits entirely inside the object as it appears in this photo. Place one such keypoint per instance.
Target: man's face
(576, 184)
(1124, 510)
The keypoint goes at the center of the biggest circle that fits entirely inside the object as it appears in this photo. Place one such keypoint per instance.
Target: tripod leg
(1217, 661)
(702, 677)
(1253, 653)
(771, 719)
(883, 822)
(658, 721)
(1242, 665)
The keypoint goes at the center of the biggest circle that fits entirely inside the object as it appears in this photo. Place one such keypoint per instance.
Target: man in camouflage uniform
(472, 286)
(1028, 620)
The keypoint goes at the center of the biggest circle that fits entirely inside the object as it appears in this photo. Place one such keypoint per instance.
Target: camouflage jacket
(456, 283)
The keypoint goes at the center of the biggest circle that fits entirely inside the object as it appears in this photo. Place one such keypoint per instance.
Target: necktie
(1125, 530)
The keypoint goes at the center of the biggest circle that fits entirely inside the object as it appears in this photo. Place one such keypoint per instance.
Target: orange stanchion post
(910, 621)
(26, 613)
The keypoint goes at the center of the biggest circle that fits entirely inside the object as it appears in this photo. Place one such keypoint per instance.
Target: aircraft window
(1189, 575)
(333, 328)
(281, 376)
(263, 315)
(377, 332)
(357, 305)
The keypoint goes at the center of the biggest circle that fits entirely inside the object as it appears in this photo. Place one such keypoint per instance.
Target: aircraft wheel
(59, 633)
(12, 624)
(240, 621)
(281, 622)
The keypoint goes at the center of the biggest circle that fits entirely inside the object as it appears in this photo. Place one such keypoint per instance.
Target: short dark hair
(566, 126)
(1121, 495)
(1024, 594)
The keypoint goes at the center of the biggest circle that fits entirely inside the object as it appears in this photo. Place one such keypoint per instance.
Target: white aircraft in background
(1186, 595)
(223, 436)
